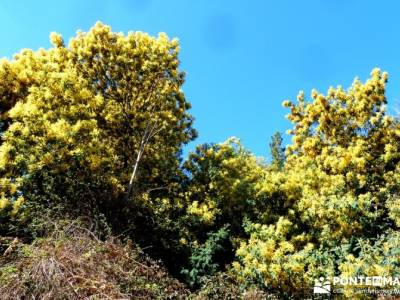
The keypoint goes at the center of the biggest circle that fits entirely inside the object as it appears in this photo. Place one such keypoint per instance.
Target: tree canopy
(80, 118)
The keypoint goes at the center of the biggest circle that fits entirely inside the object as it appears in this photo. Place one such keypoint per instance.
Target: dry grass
(74, 264)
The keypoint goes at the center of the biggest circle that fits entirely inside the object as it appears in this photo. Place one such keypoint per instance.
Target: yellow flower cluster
(77, 115)
(205, 211)
(340, 181)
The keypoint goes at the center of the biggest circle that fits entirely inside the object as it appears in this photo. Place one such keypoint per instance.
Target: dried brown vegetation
(74, 264)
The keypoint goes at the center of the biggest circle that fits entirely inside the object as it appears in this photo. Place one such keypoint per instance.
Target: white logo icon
(322, 286)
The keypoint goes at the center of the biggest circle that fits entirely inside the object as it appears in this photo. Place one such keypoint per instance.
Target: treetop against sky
(242, 59)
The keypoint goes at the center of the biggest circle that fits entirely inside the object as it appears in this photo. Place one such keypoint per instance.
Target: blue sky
(242, 58)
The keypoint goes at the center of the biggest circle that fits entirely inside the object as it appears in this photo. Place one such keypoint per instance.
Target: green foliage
(277, 150)
(7, 273)
(225, 286)
(203, 260)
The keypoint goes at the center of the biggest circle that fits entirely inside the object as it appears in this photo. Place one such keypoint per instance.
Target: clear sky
(242, 57)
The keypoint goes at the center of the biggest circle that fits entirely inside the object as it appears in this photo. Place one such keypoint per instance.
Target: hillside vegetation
(96, 201)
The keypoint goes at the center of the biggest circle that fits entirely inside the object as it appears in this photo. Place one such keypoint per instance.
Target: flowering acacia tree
(82, 123)
(338, 190)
